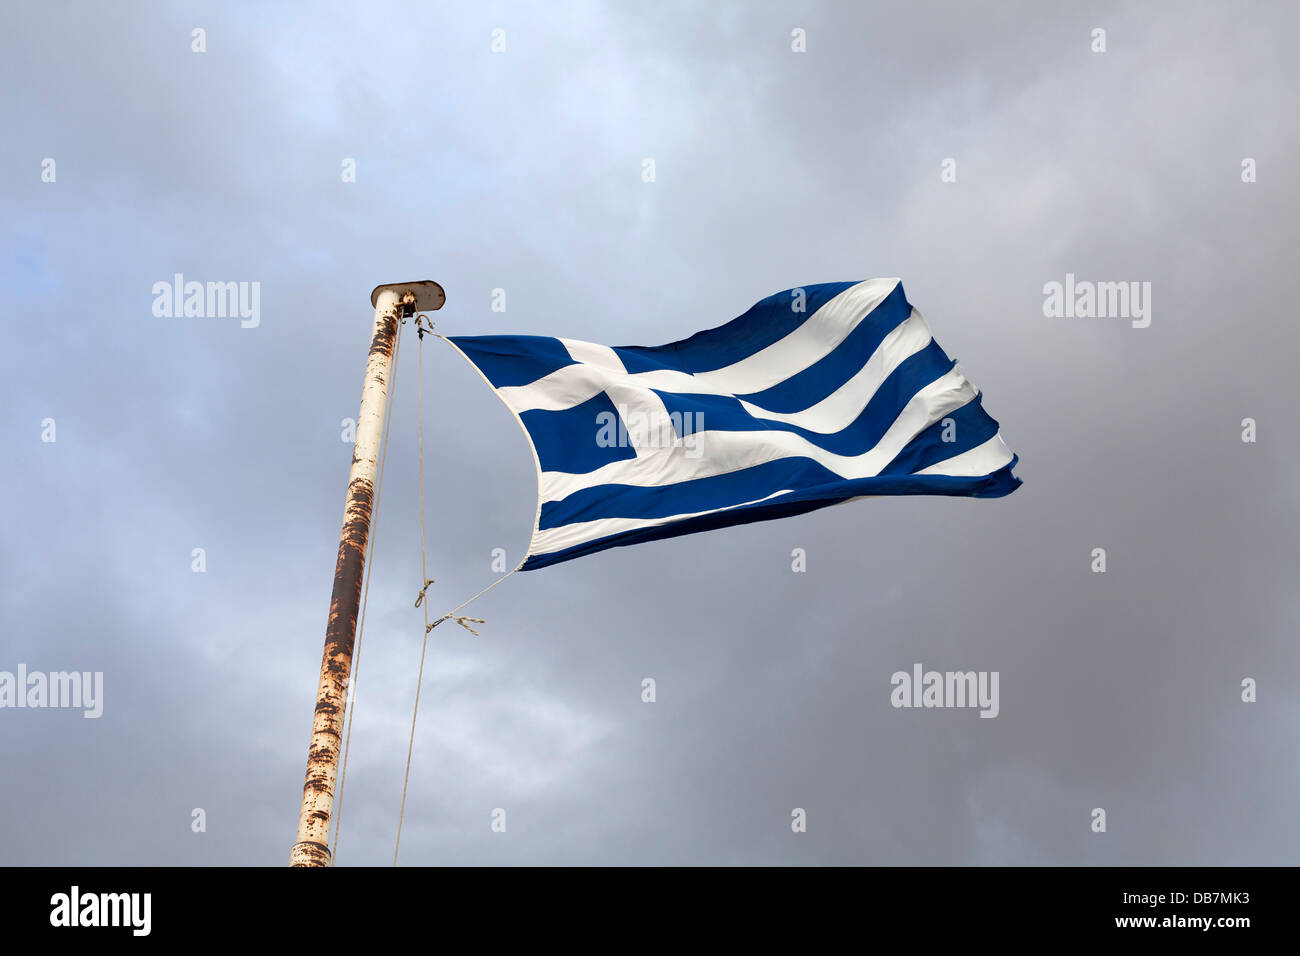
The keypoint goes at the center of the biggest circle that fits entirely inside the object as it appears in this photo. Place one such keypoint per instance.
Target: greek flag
(815, 396)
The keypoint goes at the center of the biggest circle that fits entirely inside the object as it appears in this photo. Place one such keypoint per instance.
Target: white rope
(420, 601)
(460, 618)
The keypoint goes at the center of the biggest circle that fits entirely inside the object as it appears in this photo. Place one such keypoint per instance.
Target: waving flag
(813, 397)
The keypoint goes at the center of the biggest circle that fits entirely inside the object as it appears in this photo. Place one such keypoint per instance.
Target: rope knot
(424, 590)
(460, 619)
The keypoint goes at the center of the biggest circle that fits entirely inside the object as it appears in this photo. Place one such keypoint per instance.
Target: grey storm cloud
(521, 171)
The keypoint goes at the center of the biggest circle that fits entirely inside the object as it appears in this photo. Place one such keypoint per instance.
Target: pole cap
(428, 294)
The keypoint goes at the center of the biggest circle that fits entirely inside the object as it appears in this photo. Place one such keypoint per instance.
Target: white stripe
(842, 407)
(804, 346)
(809, 343)
(728, 451)
(575, 384)
(981, 460)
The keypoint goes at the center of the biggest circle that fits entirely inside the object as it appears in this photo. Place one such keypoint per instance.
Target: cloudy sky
(522, 170)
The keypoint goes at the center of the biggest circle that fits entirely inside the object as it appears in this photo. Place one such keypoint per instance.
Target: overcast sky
(522, 170)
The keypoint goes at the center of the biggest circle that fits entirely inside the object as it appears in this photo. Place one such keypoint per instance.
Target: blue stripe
(829, 373)
(996, 485)
(685, 497)
(725, 413)
(510, 360)
(765, 323)
(971, 427)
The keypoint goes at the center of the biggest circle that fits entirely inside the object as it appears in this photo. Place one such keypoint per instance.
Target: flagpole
(392, 303)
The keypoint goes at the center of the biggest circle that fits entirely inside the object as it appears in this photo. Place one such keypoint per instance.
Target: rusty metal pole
(390, 302)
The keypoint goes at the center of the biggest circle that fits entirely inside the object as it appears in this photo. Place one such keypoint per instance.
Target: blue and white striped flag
(813, 397)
